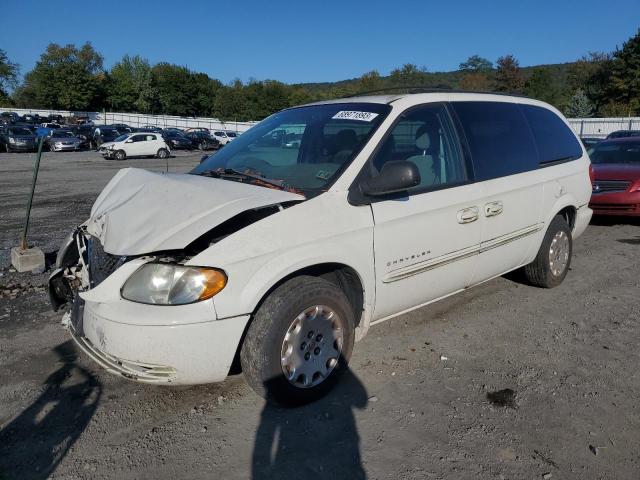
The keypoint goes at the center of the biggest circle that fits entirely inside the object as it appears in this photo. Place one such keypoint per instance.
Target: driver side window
(424, 136)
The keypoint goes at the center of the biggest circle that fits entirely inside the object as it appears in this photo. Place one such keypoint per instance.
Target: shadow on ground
(316, 441)
(33, 444)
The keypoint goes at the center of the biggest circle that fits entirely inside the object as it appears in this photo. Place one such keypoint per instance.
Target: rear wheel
(120, 155)
(163, 153)
(554, 257)
(299, 342)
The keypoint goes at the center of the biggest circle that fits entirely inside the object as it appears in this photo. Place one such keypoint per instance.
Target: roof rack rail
(425, 89)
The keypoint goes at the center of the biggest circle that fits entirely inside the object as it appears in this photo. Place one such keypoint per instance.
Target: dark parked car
(149, 128)
(122, 128)
(177, 141)
(616, 177)
(9, 117)
(84, 132)
(589, 142)
(104, 134)
(624, 134)
(31, 118)
(17, 139)
(173, 129)
(202, 140)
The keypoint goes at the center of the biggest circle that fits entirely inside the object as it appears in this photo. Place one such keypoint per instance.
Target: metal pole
(23, 242)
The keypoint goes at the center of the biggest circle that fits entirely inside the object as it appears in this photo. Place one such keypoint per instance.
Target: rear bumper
(170, 353)
(583, 217)
(621, 203)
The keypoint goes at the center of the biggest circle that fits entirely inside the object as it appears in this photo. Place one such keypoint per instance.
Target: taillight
(592, 175)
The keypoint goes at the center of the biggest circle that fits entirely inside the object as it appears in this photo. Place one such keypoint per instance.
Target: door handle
(493, 208)
(468, 215)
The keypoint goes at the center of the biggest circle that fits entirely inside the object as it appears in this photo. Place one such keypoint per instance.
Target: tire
(162, 153)
(554, 257)
(296, 302)
(120, 155)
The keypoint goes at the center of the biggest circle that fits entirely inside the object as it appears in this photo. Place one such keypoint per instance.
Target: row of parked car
(23, 136)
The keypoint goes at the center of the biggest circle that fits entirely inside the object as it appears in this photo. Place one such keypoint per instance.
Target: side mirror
(129, 141)
(394, 177)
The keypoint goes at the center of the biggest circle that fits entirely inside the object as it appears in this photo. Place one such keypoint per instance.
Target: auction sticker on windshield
(353, 115)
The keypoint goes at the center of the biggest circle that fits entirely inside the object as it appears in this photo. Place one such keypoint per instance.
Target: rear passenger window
(499, 138)
(554, 139)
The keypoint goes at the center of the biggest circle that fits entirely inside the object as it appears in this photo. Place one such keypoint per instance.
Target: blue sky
(322, 40)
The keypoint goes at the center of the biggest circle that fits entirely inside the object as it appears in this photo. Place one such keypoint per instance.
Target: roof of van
(387, 99)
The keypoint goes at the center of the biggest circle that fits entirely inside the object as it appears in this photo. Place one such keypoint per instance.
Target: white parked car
(136, 145)
(282, 258)
(224, 136)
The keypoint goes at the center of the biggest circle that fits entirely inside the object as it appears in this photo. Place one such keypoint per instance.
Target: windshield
(121, 138)
(231, 134)
(305, 148)
(616, 152)
(19, 131)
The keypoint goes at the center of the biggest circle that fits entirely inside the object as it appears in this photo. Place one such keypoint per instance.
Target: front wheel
(163, 153)
(299, 342)
(120, 155)
(554, 257)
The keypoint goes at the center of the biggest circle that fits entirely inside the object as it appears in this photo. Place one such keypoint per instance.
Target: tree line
(74, 78)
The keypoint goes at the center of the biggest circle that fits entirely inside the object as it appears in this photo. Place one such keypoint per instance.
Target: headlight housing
(171, 284)
(12, 140)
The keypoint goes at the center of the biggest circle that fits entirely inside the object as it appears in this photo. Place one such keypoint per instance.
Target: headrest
(423, 141)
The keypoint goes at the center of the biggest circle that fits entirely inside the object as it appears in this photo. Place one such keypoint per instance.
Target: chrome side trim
(451, 257)
(510, 237)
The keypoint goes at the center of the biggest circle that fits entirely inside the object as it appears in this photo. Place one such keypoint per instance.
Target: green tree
(176, 89)
(476, 63)
(591, 74)
(476, 81)
(543, 86)
(579, 105)
(131, 86)
(8, 76)
(370, 81)
(68, 78)
(509, 77)
(409, 75)
(624, 81)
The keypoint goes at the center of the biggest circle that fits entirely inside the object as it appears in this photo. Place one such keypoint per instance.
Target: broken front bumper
(168, 352)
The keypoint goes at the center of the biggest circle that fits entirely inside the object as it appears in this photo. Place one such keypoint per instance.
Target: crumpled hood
(142, 212)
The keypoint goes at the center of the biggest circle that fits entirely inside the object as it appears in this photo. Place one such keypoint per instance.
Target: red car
(616, 177)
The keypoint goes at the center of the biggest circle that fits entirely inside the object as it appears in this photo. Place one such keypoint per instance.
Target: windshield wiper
(233, 173)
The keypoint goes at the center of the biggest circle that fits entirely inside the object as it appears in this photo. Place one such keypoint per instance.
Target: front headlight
(12, 140)
(171, 284)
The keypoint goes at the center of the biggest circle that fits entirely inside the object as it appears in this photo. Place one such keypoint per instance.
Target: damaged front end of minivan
(119, 271)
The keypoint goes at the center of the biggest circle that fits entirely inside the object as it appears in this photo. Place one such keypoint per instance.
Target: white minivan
(141, 144)
(278, 259)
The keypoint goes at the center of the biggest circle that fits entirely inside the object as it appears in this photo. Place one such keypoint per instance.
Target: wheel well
(343, 276)
(569, 214)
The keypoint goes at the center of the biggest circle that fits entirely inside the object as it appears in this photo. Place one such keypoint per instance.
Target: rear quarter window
(554, 139)
(499, 138)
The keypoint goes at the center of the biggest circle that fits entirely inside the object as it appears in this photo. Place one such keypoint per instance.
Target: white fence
(138, 120)
(601, 127)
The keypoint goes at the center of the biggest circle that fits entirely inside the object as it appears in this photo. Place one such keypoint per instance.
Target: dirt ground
(419, 402)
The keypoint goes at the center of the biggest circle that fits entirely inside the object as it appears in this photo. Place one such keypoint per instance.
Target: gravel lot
(416, 405)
